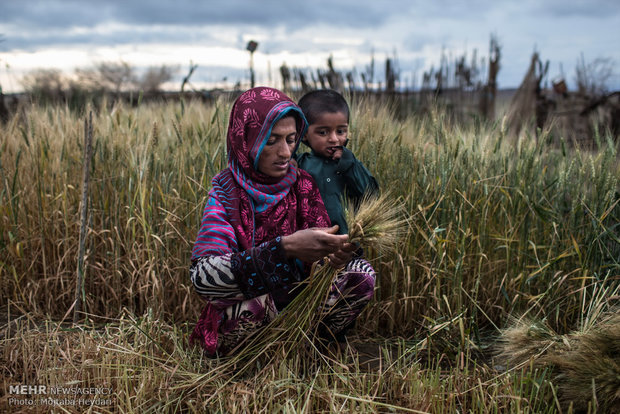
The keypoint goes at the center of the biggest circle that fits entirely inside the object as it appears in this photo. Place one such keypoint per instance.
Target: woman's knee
(358, 278)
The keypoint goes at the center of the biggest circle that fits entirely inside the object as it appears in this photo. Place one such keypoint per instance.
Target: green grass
(498, 229)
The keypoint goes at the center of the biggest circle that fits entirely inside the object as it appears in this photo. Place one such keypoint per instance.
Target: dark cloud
(29, 21)
(121, 36)
(36, 23)
(36, 14)
(580, 8)
(67, 13)
(478, 9)
(561, 27)
(39, 14)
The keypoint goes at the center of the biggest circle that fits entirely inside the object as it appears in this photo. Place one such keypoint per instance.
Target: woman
(263, 225)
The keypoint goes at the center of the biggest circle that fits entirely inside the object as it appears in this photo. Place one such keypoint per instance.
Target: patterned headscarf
(252, 118)
(246, 207)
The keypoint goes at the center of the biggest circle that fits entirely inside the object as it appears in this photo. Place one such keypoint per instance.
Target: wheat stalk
(376, 224)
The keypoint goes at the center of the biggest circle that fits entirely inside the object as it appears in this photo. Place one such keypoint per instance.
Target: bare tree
(89, 79)
(155, 77)
(351, 81)
(251, 47)
(592, 78)
(391, 75)
(334, 78)
(285, 73)
(4, 111)
(489, 91)
(192, 68)
(300, 77)
(116, 75)
(45, 84)
(529, 101)
(368, 77)
(107, 76)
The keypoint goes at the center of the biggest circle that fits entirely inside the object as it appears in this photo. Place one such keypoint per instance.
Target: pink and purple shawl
(246, 207)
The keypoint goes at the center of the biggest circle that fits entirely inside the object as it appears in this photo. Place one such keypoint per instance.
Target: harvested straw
(585, 364)
(377, 223)
(374, 225)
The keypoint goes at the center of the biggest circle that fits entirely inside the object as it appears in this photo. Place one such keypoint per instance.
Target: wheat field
(498, 231)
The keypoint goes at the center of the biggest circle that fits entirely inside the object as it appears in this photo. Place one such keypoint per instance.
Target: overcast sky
(69, 34)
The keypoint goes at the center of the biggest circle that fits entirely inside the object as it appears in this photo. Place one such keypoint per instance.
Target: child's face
(328, 134)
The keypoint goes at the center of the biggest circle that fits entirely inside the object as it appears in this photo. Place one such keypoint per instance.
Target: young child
(334, 167)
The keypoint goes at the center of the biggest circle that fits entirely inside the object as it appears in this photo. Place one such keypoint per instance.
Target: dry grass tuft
(147, 367)
(527, 340)
(585, 364)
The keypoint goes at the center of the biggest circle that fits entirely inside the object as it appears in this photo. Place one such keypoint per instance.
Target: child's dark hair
(321, 101)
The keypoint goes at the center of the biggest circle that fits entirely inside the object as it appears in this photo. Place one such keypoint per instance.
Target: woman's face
(276, 155)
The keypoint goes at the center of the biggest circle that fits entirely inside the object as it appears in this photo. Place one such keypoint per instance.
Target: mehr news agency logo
(59, 395)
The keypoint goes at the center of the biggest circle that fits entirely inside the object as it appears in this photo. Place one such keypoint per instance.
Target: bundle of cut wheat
(585, 365)
(374, 225)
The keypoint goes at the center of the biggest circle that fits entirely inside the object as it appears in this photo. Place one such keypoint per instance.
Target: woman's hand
(343, 256)
(313, 244)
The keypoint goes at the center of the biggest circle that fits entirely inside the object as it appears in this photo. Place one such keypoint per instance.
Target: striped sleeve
(213, 278)
(220, 272)
(245, 275)
(216, 236)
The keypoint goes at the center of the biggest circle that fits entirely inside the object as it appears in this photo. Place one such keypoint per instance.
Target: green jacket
(335, 179)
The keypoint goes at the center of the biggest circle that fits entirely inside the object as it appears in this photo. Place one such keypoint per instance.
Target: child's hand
(336, 152)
